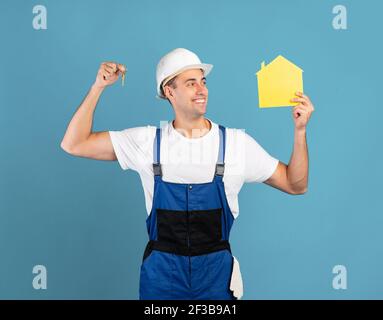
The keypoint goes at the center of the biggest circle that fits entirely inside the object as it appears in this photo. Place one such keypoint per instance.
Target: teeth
(200, 100)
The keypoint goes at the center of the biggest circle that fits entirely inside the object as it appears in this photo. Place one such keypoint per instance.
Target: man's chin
(201, 107)
(202, 111)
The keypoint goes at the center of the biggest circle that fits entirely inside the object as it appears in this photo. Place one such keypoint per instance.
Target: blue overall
(188, 255)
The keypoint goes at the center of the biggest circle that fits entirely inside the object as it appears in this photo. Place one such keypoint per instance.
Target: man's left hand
(302, 112)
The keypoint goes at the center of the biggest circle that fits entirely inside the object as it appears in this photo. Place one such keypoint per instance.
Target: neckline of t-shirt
(206, 136)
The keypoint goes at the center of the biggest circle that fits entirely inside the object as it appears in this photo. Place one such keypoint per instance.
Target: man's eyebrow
(193, 79)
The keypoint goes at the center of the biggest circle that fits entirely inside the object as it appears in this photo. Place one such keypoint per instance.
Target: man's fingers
(302, 100)
(109, 68)
(106, 74)
(109, 72)
(301, 94)
(112, 65)
(301, 106)
(300, 110)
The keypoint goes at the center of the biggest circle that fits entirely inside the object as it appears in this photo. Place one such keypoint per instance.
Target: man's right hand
(108, 74)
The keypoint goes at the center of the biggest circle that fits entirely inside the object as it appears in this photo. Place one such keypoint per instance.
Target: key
(123, 77)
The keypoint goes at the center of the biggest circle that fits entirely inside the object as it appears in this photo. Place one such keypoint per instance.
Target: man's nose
(201, 89)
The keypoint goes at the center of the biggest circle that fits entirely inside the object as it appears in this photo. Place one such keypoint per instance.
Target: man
(191, 170)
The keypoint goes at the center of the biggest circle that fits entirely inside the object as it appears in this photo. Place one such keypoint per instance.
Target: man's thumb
(121, 68)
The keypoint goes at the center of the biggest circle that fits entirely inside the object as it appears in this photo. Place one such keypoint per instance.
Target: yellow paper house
(278, 82)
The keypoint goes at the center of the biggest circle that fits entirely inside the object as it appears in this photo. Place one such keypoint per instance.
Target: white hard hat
(175, 62)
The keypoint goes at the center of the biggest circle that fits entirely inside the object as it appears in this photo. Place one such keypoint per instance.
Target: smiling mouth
(200, 100)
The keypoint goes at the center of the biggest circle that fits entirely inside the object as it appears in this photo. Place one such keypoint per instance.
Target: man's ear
(168, 92)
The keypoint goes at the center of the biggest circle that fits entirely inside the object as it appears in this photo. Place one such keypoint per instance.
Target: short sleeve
(133, 147)
(259, 164)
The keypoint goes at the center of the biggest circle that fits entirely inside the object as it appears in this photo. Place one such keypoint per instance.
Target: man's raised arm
(79, 140)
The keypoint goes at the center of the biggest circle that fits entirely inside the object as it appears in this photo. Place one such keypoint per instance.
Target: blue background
(85, 219)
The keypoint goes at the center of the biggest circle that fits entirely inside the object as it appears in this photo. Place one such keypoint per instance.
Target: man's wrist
(96, 88)
(301, 131)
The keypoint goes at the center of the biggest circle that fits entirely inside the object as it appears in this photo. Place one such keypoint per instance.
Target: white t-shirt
(193, 160)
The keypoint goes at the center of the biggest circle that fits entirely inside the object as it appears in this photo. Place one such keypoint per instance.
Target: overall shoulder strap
(220, 166)
(157, 153)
